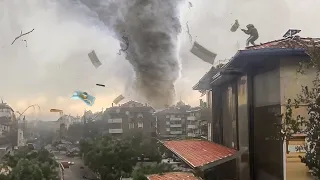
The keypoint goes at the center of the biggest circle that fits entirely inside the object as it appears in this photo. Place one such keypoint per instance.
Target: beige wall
(290, 86)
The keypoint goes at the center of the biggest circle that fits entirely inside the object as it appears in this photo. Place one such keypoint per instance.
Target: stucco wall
(290, 86)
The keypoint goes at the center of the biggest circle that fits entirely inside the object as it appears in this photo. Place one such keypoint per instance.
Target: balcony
(175, 125)
(175, 132)
(191, 118)
(115, 120)
(191, 126)
(175, 119)
(115, 131)
(191, 135)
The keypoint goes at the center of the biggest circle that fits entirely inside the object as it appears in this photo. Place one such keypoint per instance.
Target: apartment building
(171, 122)
(196, 123)
(129, 117)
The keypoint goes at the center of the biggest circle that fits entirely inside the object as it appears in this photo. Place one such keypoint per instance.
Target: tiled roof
(293, 43)
(173, 176)
(198, 153)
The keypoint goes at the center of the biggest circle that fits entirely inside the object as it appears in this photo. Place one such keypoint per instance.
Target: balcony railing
(175, 125)
(115, 120)
(191, 118)
(115, 131)
(191, 126)
(175, 132)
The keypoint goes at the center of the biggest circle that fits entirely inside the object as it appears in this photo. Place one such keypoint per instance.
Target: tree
(26, 170)
(31, 164)
(141, 172)
(110, 158)
(309, 97)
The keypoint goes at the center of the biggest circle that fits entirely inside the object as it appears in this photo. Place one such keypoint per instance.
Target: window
(131, 125)
(167, 129)
(167, 116)
(140, 115)
(140, 124)
(173, 116)
(168, 123)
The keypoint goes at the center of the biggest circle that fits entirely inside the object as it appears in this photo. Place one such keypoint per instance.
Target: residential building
(130, 116)
(247, 95)
(171, 122)
(196, 123)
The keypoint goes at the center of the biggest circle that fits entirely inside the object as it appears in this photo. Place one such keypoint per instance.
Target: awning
(173, 176)
(200, 153)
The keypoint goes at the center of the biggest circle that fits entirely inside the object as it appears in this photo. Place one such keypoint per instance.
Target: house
(171, 122)
(197, 122)
(130, 116)
(247, 94)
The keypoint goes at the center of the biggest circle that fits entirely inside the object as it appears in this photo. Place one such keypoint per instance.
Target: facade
(247, 94)
(171, 122)
(196, 123)
(129, 117)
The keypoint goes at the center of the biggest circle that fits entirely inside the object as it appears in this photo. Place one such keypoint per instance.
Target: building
(130, 116)
(171, 122)
(247, 95)
(196, 123)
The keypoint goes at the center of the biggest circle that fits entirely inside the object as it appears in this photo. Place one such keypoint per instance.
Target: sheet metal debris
(203, 53)
(21, 35)
(118, 99)
(190, 5)
(94, 59)
(102, 85)
(84, 96)
(235, 26)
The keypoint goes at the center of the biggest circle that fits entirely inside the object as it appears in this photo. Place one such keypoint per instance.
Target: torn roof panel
(173, 176)
(198, 153)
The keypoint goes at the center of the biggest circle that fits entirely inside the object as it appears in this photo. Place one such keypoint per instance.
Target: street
(74, 172)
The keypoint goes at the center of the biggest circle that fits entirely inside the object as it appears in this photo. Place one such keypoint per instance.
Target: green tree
(141, 172)
(42, 166)
(110, 158)
(26, 170)
(310, 98)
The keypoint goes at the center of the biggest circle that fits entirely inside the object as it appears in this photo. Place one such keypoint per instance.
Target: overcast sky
(55, 63)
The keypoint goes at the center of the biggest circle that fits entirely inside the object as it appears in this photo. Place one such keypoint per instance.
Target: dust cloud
(148, 31)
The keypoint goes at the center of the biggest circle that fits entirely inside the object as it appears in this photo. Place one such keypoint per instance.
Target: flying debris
(188, 31)
(85, 97)
(55, 110)
(102, 85)
(94, 59)
(235, 26)
(291, 33)
(124, 45)
(190, 5)
(118, 99)
(203, 53)
(21, 35)
(253, 32)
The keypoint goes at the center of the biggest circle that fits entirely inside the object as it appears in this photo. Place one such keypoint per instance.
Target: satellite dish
(291, 32)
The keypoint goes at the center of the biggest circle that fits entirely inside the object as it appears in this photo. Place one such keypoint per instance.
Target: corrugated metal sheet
(173, 176)
(198, 153)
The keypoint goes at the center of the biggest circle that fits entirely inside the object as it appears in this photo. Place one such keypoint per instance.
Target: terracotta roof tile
(287, 43)
(199, 152)
(173, 176)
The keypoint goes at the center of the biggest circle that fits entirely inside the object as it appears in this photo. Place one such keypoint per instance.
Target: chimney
(111, 104)
(146, 104)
